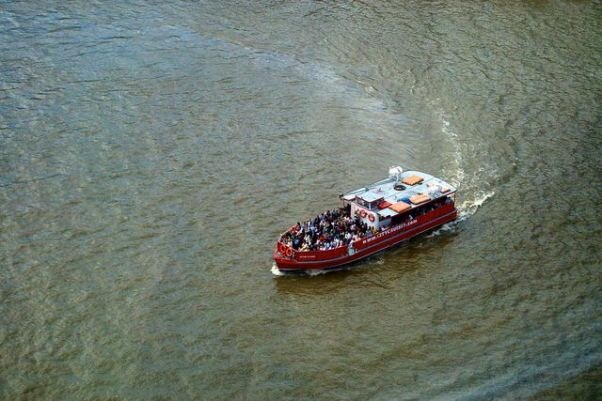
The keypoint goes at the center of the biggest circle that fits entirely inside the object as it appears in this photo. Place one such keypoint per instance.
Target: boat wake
(276, 272)
(446, 228)
(465, 210)
(308, 273)
(455, 141)
(470, 207)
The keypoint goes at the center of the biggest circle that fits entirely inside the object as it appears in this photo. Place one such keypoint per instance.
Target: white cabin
(400, 193)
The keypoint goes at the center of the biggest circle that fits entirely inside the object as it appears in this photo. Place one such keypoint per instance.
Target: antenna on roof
(395, 172)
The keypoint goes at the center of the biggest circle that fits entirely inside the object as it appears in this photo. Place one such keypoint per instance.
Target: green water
(151, 153)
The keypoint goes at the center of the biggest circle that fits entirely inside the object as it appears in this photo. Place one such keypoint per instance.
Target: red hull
(335, 258)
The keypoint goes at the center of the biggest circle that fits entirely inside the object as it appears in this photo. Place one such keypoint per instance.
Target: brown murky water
(150, 154)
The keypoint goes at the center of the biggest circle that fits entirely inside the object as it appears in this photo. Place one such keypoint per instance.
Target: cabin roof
(387, 212)
(430, 186)
(371, 196)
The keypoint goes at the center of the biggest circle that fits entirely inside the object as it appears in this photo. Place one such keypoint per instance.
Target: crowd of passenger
(336, 228)
(329, 230)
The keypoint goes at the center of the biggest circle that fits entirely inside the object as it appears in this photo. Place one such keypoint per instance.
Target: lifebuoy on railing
(363, 213)
(371, 217)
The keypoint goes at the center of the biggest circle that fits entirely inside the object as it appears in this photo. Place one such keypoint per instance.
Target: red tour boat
(372, 219)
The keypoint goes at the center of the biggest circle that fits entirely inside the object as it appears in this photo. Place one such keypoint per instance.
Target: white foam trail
(470, 207)
(465, 210)
(314, 273)
(451, 226)
(455, 141)
(276, 271)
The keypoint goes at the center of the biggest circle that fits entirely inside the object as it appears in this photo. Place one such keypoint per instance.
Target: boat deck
(378, 216)
(415, 182)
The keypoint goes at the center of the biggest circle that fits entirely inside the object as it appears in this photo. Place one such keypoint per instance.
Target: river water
(151, 153)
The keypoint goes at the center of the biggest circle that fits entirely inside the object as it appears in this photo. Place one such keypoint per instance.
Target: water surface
(151, 153)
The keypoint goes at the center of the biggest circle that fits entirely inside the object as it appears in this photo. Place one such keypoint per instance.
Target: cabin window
(398, 219)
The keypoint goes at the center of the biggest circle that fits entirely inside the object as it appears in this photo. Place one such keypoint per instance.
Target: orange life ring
(363, 213)
(289, 252)
(371, 218)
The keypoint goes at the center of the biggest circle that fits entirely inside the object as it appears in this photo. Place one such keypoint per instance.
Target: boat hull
(300, 262)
